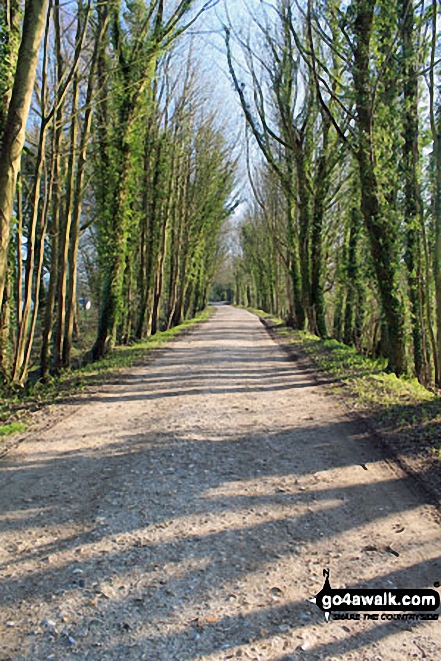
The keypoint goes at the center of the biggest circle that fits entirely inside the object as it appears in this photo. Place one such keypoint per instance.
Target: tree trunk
(412, 202)
(353, 278)
(5, 319)
(115, 266)
(304, 210)
(71, 300)
(320, 190)
(159, 280)
(60, 325)
(435, 124)
(299, 311)
(380, 233)
(31, 247)
(15, 125)
(56, 207)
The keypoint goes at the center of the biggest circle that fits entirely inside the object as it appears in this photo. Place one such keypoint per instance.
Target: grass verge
(16, 405)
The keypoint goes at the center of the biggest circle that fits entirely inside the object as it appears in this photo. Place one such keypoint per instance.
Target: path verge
(21, 412)
(404, 415)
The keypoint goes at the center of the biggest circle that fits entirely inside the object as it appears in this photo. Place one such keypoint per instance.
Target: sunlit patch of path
(188, 512)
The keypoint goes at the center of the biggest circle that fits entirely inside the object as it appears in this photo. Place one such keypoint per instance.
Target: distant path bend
(188, 513)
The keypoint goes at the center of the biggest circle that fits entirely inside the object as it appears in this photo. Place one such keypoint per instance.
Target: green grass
(363, 377)
(12, 428)
(15, 405)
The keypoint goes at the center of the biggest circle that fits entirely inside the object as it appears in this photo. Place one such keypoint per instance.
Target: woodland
(119, 183)
(112, 169)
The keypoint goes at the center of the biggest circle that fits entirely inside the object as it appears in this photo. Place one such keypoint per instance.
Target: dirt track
(188, 512)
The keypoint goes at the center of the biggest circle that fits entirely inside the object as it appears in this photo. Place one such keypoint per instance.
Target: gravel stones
(188, 513)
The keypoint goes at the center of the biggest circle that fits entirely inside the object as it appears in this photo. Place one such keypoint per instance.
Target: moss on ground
(12, 428)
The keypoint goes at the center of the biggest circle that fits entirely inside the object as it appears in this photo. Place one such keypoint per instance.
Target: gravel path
(188, 512)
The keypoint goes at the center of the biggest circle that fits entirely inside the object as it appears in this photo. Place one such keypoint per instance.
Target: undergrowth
(365, 377)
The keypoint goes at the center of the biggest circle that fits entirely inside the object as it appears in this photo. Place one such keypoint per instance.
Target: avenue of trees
(116, 182)
(342, 100)
(112, 168)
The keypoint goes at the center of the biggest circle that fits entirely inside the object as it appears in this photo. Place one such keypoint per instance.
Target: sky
(208, 42)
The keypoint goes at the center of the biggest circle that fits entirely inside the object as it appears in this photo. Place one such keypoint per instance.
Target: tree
(15, 124)
(137, 40)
